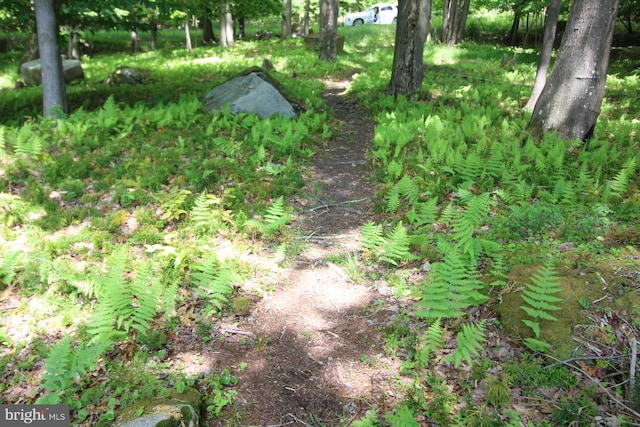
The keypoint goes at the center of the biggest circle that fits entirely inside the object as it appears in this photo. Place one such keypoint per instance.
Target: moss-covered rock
(176, 410)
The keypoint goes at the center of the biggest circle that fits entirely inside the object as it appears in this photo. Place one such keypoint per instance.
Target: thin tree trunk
(135, 41)
(328, 30)
(153, 26)
(187, 35)
(286, 19)
(54, 97)
(241, 27)
(226, 26)
(74, 44)
(553, 11)
(408, 62)
(307, 9)
(570, 101)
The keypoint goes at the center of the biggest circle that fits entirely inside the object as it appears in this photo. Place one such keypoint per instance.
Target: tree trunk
(307, 10)
(226, 26)
(135, 41)
(153, 27)
(54, 97)
(208, 37)
(408, 62)
(454, 20)
(187, 35)
(74, 44)
(328, 30)
(570, 101)
(241, 27)
(553, 11)
(286, 19)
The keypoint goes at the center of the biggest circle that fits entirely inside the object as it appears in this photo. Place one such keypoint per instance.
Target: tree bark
(328, 30)
(208, 37)
(286, 19)
(454, 20)
(226, 26)
(54, 97)
(408, 62)
(553, 11)
(74, 44)
(307, 10)
(570, 101)
(187, 35)
(135, 41)
(153, 27)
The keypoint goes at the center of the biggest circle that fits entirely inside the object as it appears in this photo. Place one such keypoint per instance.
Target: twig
(576, 359)
(238, 332)
(632, 368)
(611, 396)
(296, 419)
(334, 205)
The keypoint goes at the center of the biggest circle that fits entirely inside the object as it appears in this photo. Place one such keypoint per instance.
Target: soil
(310, 352)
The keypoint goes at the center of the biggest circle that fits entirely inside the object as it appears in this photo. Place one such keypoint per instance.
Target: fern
(392, 248)
(109, 114)
(58, 375)
(452, 287)
(470, 340)
(432, 342)
(372, 238)
(212, 282)
(65, 365)
(275, 218)
(540, 299)
(623, 178)
(539, 294)
(8, 266)
(124, 304)
(28, 143)
(396, 246)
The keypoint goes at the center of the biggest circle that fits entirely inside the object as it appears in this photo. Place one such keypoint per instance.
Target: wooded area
(442, 229)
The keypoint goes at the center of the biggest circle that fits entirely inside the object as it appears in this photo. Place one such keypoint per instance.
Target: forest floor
(311, 349)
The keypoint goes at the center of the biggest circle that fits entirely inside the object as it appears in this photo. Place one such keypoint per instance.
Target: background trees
(570, 101)
(413, 24)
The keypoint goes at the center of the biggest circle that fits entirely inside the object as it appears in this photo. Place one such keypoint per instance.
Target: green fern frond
(470, 341)
(432, 341)
(623, 178)
(539, 295)
(537, 345)
(9, 265)
(109, 114)
(275, 218)
(28, 142)
(88, 288)
(396, 246)
(452, 287)
(372, 238)
(423, 213)
(212, 282)
(57, 369)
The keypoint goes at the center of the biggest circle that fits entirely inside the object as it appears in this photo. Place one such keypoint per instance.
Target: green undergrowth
(501, 222)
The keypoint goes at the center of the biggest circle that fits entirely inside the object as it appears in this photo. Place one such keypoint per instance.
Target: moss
(574, 286)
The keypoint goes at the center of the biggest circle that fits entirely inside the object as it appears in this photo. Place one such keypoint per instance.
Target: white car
(379, 13)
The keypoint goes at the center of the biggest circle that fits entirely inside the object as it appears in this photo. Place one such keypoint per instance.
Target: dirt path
(313, 349)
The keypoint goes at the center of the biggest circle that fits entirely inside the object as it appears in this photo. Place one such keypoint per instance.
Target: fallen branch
(577, 359)
(595, 381)
(632, 367)
(335, 205)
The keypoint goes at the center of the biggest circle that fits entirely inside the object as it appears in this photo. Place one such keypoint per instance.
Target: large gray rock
(253, 92)
(31, 71)
(127, 76)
